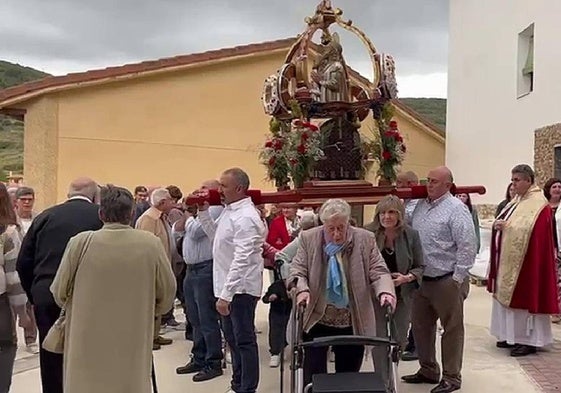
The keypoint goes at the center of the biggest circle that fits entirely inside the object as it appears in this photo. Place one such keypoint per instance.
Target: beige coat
(122, 282)
(151, 221)
(367, 275)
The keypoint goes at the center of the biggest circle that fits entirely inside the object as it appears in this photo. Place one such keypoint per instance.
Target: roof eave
(19, 99)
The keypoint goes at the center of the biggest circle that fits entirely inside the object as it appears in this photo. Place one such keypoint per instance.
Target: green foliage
(434, 109)
(385, 145)
(11, 130)
(14, 74)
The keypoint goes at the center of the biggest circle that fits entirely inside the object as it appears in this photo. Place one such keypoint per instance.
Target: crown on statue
(318, 78)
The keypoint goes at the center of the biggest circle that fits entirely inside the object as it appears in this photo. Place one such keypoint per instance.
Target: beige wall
(178, 128)
(41, 149)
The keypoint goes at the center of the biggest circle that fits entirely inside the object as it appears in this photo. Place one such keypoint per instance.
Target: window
(557, 162)
(525, 67)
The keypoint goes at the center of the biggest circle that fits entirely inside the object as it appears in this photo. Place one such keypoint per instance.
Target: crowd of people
(69, 262)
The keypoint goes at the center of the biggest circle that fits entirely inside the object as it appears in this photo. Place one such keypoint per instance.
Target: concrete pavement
(486, 368)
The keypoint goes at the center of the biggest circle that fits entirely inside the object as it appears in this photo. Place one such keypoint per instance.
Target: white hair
(333, 208)
(308, 220)
(158, 195)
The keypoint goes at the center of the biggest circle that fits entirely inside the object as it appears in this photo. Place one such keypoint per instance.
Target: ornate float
(316, 111)
(317, 107)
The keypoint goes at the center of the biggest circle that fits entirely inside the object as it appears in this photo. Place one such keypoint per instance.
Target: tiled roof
(51, 82)
(41, 86)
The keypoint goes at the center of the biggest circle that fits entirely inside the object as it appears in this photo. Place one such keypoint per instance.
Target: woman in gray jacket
(400, 246)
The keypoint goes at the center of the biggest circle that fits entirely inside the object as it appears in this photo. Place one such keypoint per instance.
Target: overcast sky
(62, 36)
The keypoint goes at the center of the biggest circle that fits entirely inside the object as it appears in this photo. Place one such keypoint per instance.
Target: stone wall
(486, 212)
(545, 140)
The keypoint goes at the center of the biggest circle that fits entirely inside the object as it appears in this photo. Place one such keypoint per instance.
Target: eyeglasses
(26, 200)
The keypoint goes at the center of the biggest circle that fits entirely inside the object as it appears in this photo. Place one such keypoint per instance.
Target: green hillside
(11, 131)
(14, 74)
(434, 109)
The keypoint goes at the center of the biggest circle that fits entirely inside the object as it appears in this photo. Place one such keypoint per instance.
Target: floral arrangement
(386, 148)
(291, 150)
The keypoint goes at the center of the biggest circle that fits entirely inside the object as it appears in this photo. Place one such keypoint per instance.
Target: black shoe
(207, 374)
(418, 378)
(445, 387)
(409, 356)
(504, 344)
(188, 332)
(189, 368)
(522, 350)
(172, 322)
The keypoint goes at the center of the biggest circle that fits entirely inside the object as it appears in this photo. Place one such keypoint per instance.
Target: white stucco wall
(489, 128)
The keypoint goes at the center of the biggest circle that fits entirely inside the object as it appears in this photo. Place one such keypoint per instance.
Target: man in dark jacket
(39, 259)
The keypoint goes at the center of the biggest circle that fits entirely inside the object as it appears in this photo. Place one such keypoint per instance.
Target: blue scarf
(336, 288)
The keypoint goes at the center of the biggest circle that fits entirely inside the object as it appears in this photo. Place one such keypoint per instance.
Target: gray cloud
(87, 33)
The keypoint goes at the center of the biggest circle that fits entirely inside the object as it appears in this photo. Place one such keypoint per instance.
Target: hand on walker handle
(303, 298)
(388, 300)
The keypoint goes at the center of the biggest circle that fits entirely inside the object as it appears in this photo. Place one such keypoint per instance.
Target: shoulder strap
(82, 253)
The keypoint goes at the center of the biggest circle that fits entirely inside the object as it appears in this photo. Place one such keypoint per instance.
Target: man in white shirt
(238, 236)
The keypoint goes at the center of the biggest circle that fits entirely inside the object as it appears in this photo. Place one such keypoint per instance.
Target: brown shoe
(163, 341)
(445, 387)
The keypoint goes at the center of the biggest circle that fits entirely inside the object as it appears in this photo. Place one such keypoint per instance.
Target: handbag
(54, 340)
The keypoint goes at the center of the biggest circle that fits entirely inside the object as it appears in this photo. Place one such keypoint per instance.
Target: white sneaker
(32, 348)
(275, 361)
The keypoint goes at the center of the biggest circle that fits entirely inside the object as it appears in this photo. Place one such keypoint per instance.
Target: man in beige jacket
(154, 221)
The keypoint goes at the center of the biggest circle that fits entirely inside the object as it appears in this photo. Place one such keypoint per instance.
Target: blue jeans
(201, 309)
(239, 331)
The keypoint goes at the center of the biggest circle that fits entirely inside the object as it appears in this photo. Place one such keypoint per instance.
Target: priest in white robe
(522, 275)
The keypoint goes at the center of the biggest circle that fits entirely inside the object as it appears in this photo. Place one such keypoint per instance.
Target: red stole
(535, 289)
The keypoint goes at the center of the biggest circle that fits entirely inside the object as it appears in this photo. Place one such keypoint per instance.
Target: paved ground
(486, 368)
(545, 369)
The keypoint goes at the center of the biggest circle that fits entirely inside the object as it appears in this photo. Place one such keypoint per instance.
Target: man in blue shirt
(200, 301)
(448, 237)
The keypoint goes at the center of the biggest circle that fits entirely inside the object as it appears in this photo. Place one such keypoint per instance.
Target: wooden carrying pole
(316, 193)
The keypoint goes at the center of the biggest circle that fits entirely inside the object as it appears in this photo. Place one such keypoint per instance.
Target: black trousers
(7, 358)
(348, 358)
(51, 363)
(279, 314)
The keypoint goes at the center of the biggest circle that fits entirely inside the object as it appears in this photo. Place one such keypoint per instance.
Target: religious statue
(318, 103)
(329, 74)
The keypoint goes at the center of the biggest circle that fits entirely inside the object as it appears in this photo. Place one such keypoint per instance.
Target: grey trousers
(7, 358)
